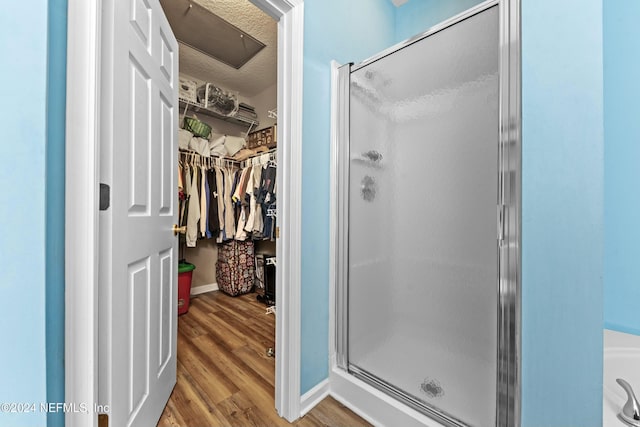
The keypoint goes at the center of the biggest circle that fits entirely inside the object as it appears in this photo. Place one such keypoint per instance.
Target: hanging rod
(251, 160)
(199, 159)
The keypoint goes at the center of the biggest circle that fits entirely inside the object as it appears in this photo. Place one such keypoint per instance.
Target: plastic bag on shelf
(218, 100)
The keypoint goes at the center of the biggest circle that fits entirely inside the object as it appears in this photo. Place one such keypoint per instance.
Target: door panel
(166, 171)
(165, 334)
(140, 140)
(140, 20)
(166, 58)
(138, 321)
(138, 276)
(423, 181)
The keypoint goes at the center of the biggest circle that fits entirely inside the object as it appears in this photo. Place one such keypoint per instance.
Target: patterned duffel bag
(235, 268)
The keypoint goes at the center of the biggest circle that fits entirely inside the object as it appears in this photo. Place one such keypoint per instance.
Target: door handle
(181, 230)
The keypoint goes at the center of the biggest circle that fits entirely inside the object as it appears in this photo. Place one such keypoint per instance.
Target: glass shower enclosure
(421, 170)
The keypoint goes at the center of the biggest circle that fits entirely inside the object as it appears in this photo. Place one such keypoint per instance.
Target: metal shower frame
(509, 214)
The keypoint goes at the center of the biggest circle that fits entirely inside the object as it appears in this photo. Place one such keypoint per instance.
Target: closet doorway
(90, 96)
(227, 168)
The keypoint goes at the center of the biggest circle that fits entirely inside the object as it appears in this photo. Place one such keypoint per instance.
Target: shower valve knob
(368, 188)
(372, 155)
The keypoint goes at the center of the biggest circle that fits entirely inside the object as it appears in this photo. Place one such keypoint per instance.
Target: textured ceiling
(257, 74)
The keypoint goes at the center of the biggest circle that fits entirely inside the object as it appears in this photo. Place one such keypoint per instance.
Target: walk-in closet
(227, 168)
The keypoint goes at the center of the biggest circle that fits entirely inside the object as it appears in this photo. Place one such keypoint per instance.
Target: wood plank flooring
(225, 377)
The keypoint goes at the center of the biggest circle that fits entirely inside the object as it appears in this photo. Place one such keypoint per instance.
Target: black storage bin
(270, 280)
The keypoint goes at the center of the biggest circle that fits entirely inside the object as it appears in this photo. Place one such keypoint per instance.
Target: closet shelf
(199, 108)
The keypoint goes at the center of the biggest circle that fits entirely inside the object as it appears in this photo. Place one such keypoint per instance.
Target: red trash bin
(185, 273)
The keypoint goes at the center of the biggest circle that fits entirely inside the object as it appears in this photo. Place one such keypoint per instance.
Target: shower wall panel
(423, 191)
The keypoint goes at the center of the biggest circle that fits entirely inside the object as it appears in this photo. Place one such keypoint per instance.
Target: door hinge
(277, 232)
(105, 196)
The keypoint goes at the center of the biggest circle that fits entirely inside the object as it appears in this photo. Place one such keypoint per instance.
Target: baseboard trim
(197, 290)
(310, 399)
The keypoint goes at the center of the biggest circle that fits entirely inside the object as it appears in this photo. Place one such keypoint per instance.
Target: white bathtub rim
(615, 339)
(625, 347)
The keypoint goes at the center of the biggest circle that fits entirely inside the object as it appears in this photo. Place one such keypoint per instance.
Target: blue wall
(54, 226)
(345, 31)
(417, 16)
(562, 192)
(622, 165)
(562, 213)
(23, 73)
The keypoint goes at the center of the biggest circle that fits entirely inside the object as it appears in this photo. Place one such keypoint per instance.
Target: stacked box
(263, 138)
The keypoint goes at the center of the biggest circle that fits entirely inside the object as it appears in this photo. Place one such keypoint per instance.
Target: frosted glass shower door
(422, 246)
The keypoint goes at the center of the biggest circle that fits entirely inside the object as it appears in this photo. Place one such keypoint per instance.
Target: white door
(138, 258)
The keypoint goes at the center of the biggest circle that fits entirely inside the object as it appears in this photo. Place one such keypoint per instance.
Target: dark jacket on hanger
(212, 217)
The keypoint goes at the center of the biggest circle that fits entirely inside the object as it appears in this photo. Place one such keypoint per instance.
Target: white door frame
(82, 197)
(290, 17)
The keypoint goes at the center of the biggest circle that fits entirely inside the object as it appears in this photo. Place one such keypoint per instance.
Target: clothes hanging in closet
(193, 215)
(258, 221)
(203, 202)
(229, 214)
(226, 202)
(267, 199)
(213, 219)
(220, 198)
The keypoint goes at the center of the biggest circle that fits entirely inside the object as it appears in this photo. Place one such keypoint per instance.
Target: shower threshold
(419, 405)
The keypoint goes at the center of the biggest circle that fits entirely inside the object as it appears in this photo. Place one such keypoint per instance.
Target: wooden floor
(225, 377)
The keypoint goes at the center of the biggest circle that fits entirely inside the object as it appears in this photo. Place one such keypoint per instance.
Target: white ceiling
(256, 75)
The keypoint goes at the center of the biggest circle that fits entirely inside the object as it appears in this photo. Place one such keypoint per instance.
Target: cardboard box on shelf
(264, 137)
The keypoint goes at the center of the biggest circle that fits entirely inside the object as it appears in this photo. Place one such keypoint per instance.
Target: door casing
(84, 53)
